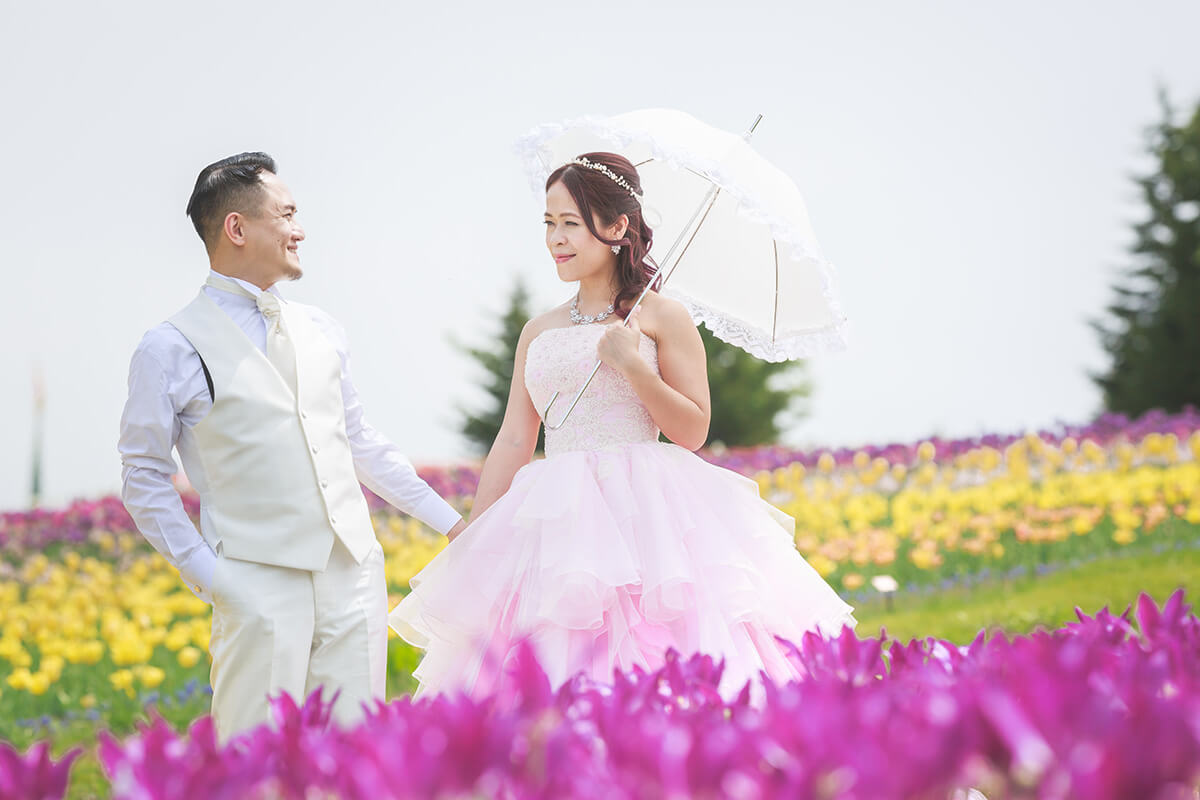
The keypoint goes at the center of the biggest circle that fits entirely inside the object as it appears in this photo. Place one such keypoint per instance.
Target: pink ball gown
(611, 550)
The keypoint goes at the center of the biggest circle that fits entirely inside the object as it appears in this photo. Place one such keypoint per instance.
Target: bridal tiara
(617, 179)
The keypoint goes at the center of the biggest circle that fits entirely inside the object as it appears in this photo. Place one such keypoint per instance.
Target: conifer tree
(1152, 332)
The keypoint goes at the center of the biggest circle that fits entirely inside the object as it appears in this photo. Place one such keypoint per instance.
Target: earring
(616, 248)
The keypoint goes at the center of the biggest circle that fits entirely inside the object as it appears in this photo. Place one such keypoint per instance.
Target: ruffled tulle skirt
(605, 559)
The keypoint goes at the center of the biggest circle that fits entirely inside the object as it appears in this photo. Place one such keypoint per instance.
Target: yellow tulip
(10, 647)
(52, 666)
(39, 682)
(19, 679)
(189, 657)
(823, 565)
(150, 676)
(122, 680)
(178, 638)
(21, 658)
(925, 558)
(91, 652)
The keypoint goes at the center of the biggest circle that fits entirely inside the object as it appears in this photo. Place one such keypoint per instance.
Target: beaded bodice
(609, 413)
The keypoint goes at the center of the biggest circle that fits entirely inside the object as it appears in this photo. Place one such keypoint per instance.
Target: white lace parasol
(734, 239)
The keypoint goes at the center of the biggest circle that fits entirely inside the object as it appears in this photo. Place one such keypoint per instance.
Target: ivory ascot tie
(280, 350)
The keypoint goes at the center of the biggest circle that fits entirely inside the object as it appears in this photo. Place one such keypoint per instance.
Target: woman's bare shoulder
(557, 317)
(663, 314)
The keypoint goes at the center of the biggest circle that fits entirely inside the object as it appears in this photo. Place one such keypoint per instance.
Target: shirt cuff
(197, 572)
(437, 514)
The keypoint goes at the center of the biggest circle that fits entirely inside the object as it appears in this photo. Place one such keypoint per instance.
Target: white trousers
(276, 629)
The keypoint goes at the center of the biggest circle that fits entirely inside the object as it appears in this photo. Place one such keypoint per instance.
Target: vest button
(324, 484)
(303, 415)
(314, 448)
(333, 520)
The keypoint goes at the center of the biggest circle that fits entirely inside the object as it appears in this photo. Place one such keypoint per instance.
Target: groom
(255, 393)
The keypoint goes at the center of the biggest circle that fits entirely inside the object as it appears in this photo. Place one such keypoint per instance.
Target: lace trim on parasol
(788, 345)
(757, 342)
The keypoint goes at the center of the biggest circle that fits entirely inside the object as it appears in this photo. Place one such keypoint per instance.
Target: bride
(617, 546)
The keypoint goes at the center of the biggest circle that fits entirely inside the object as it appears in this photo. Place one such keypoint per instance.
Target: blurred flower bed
(82, 595)
(96, 628)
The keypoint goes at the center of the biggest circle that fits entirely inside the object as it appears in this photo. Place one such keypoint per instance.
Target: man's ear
(234, 228)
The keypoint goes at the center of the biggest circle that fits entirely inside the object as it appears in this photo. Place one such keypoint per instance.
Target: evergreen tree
(750, 398)
(1153, 336)
(496, 361)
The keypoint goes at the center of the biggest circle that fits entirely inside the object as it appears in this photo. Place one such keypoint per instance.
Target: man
(255, 394)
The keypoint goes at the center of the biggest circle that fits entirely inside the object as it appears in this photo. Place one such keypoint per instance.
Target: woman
(616, 546)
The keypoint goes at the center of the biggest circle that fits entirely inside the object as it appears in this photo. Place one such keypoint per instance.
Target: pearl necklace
(585, 319)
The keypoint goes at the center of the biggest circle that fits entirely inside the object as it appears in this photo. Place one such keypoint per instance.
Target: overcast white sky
(966, 166)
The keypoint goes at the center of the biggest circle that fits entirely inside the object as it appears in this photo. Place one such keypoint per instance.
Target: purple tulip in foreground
(34, 775)
(1096, 709)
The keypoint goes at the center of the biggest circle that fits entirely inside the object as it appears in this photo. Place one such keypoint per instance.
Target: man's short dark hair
(231, 184)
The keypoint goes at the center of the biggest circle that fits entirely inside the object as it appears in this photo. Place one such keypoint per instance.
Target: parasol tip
(753, 125)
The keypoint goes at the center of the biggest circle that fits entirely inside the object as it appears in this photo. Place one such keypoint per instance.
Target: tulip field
(104, 665)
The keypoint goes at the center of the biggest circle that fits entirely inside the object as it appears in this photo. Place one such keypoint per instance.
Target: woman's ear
(618, 228)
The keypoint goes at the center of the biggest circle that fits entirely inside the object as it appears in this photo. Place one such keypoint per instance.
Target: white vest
(277, 464)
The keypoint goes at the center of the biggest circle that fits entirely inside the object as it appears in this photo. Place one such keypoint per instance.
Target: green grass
(958, 563)
(1023, 604)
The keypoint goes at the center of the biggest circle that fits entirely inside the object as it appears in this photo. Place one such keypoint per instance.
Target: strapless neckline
(593, 326)
(609, 414)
